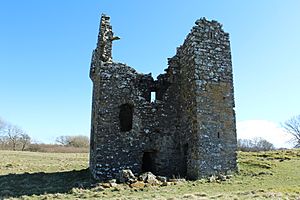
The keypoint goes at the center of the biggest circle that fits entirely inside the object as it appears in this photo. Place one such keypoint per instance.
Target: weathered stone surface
(146, 176)
(153, 181)
(113, 182)
(212, 179)
(189, 130)
(161, 178)
(126, 175)
(222, 177)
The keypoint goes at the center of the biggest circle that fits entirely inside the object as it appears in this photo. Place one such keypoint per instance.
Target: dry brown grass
(54, 148)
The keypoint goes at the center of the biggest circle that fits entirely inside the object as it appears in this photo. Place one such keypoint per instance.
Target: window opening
(153, 96)
(126, 116)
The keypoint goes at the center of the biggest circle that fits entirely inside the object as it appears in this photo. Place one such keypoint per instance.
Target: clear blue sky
(46, 46)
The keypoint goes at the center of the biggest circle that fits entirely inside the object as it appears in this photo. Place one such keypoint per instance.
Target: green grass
(262, 175)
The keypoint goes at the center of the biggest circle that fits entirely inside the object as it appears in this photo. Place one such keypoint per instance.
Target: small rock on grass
(106, 185)
(138, 184)
(113, 182)
(202, 194)
(162, 178)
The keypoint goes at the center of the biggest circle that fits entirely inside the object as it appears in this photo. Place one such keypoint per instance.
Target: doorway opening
(148, 162)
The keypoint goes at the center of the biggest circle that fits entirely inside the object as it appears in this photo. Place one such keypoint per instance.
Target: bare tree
(24, 140)
(62, 140)
(13, 137)
(73, 141)
(13, 134)
(292, 126)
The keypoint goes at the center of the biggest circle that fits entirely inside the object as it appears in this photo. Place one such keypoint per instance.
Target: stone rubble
(148, 179)
(126, 176)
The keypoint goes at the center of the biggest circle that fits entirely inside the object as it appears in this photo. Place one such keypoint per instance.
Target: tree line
(255, 144)
(12, 137)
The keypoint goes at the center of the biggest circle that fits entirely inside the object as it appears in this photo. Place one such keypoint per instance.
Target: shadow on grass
(16, 185)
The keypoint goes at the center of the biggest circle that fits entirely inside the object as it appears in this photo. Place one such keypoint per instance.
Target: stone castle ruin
(188, 131)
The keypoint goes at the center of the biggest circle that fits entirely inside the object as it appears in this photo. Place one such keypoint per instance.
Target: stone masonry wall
(189, 130)
(207, 50)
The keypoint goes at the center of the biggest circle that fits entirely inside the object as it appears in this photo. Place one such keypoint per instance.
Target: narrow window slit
(153, 96)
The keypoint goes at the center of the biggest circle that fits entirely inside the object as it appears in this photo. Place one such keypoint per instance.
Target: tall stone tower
(189, 130)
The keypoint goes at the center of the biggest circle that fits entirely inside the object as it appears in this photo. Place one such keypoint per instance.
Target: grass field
(30, 175)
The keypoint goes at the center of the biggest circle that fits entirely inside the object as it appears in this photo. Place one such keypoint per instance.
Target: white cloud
(265, 129)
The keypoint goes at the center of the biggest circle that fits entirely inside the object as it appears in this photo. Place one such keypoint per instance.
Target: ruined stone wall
(214, 99)
(112, 149)
(189, 130)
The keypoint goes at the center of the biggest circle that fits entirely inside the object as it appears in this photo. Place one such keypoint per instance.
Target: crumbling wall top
(202, 22)
(105, 39)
